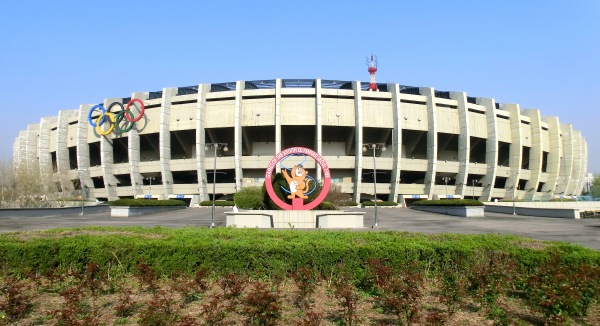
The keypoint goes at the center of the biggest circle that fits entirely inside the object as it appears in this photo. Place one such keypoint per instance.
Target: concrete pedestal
(296, 219)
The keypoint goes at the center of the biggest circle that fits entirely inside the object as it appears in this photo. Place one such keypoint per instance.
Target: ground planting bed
(194, 276)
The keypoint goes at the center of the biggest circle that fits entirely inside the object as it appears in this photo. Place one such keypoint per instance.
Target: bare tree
(23, 186)
(7, 182)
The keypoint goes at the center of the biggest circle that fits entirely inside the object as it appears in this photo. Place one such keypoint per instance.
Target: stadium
(396, 143)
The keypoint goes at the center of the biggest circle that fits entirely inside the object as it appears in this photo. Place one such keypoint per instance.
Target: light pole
(474, 181)
(589, 187)
(446, 179)
(374, 147)
(214, 146)
(83, 192)
(150, 179)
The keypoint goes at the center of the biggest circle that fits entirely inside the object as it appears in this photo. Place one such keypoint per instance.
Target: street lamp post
(82, 186)
(150, 179)
(374, 147)
(446, 179)
(214, 146)
(589, 187)
(474, 181)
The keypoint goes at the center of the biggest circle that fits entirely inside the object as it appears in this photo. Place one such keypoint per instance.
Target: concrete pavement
(585, 232)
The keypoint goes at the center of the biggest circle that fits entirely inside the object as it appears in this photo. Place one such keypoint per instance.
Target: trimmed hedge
(448, 202)
(218, 203)
(263, 252)
(561, 200)
(146, 202)
(380, 203)
(350, 203)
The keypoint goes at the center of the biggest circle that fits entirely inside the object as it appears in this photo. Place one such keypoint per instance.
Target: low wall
(581, 205)
(532, 211)
(46, 212)
(125, 211)
(296, 219)
(465, 211)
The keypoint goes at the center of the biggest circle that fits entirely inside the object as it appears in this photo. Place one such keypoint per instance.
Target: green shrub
(277, 182)
(220, 203)
(379, 203)
(146, 202)
(349, 203)
(448, 202)
(249, 198)
(326, 206)
(509, 200)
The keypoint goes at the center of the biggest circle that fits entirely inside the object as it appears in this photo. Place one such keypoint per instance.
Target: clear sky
(56, 55)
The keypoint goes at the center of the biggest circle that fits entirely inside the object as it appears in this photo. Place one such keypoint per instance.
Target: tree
(595, 190)
(24, 187)
(7, 182)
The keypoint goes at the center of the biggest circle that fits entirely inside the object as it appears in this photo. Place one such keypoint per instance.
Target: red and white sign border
(282, 155)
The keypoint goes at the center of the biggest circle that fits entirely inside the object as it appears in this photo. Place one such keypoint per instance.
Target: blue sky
(540, 54)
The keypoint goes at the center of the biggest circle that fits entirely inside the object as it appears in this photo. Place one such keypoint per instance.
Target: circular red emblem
(298, 179)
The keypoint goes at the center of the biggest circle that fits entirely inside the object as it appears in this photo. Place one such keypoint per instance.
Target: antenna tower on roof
(372, 63)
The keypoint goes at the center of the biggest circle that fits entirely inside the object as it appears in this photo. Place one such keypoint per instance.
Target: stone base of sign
(296, 219)
(464, 211)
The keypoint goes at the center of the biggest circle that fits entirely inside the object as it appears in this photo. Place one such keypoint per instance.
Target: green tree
(595, 190)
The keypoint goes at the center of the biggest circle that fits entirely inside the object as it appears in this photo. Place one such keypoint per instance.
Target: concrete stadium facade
(439, 144)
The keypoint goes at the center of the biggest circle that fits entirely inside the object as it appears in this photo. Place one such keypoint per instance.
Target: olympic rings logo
(115, 120)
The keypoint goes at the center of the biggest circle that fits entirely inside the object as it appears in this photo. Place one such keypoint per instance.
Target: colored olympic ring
(111, 117)
(119, 119)
(115, 103)
(141, 112)
(116, 121)
(99, 106)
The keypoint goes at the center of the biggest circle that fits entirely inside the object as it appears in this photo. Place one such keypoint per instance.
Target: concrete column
(31, 143)
(238, 137)
(165, 141)
(432, 144)
(16, 148)
(106, 157)
(46, 168)
(566, 164)
(584, 169)
(359, 141)
(83, 149)
(22, 143)
(396, 142)
(464, 142)
(62, 151)
(133, 150)
(277, 115)
(535, 154)
(319, 120)
(491, 147)
(203, 89)
(576, 174)
(554, 156)
(516, 148)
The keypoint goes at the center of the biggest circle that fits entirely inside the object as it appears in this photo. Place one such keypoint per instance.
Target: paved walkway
(585, 232)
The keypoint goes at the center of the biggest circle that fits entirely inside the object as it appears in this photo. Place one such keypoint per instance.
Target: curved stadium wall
(439, 144)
